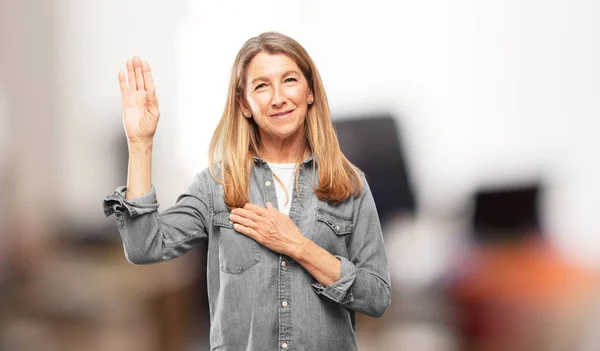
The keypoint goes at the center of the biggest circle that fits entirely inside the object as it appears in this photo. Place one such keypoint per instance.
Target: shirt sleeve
(150, 237)
(339, 291)
(364, 285)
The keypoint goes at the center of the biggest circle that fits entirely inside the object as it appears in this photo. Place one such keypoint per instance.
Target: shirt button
(284, 345)
(284, 304)
(268, 183)
(337, 227)
(283, 263)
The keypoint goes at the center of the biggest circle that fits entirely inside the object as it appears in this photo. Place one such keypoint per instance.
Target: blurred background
(476, 123)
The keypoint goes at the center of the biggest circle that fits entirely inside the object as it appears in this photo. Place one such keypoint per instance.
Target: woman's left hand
(269, 227)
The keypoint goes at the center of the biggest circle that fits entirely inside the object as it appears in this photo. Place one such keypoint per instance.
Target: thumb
(270, 206)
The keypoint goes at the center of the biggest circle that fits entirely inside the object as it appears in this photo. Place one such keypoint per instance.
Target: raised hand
(140, 105)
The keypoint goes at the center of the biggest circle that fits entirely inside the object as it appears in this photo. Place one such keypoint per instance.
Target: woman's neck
(282, 151)
(275, 155)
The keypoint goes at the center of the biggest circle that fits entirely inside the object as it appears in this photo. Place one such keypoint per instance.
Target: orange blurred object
(522, 296)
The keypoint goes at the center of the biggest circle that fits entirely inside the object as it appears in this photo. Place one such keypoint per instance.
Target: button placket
(285, 310)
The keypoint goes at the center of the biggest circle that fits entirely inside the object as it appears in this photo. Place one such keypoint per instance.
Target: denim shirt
(260, 299)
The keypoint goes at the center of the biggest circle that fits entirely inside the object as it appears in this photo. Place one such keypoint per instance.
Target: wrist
(299, 250)
(137, 145)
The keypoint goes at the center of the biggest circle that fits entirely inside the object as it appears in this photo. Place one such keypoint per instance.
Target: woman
(294, 241)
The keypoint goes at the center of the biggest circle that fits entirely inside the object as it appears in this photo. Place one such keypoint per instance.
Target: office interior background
(476, 121)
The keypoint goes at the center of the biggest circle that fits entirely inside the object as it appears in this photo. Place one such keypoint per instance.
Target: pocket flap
(221, 219)
(339, 225)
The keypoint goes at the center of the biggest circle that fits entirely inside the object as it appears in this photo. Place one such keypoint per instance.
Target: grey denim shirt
(258, 298)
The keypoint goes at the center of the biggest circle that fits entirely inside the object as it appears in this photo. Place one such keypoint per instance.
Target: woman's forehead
(265, 65)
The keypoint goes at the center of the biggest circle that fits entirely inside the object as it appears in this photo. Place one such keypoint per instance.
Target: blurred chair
(506, 215)
(373, 143)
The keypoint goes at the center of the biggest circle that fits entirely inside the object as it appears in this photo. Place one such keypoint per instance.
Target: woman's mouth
(281, 115)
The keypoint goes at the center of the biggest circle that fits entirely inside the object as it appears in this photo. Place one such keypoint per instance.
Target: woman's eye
(290, 79)
(261, 85)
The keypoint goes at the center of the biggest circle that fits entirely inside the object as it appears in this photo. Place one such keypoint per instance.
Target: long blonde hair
(236, 139)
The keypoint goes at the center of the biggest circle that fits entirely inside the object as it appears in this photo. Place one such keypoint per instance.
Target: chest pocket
(332, 231)
(237, 252)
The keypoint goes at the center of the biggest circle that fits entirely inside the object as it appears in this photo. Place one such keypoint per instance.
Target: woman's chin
(283, 132)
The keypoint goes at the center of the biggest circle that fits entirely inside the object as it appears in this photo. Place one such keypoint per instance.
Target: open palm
(140, 105)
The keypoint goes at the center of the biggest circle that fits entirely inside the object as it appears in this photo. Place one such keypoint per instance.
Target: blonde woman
(294, 241)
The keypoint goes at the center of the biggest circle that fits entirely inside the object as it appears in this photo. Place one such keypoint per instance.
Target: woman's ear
(244, 107)
(310, 99)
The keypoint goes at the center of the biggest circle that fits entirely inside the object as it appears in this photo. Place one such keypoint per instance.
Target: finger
(246, 222)
(255, 208)
(139, 78)
(270, 206)
(246, 231)
(149, 85)
(147, 75)
(131, 76)
(151, 98)
(123, 85)
(247, 214)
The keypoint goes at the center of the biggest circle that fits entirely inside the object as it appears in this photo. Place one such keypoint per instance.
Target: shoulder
(359, 171)
(361, 181)
(212, 173)
(203, 182)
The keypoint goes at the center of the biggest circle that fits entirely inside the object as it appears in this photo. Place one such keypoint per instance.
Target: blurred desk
(93, 299)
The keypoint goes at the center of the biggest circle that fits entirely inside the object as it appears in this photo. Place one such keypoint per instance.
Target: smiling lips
(282, 115)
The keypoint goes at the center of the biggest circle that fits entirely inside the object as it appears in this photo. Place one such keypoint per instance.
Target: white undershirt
(285, 173)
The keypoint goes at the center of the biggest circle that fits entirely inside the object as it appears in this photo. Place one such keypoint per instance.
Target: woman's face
(277, 96)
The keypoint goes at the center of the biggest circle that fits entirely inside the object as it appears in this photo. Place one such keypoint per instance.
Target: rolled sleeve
(339, 291)
(149, 236)
(117, 203)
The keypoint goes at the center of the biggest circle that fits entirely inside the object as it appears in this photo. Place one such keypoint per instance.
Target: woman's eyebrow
(264, 78)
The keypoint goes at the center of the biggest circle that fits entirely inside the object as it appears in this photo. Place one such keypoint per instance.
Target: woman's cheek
(262, 103)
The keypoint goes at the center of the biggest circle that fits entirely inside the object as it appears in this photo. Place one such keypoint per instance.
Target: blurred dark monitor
(373, 144)
(506, 215)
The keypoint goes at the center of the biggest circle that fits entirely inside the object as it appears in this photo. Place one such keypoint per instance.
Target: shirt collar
(261, 161)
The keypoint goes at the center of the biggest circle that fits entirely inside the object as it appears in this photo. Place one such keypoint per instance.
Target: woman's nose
(278, 96)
